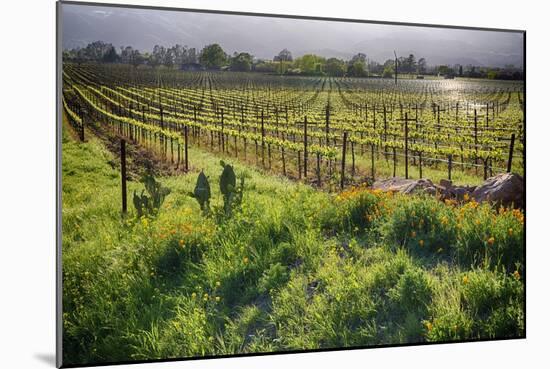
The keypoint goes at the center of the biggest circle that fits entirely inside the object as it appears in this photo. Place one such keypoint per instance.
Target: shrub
(355, 210)
(477, 304)
(413, 292)
(495, 302)
(273, 278)
(423, 225)
(487, 237)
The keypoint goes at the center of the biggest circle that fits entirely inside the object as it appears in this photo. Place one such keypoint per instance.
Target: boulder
(506, 189)
(407, 186)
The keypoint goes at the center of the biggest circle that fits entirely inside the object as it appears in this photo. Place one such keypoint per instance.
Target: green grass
(293, 268)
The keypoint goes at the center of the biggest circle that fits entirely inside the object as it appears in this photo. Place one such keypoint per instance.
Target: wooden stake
(123, 175)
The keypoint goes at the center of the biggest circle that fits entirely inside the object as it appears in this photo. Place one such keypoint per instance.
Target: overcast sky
(264, 37)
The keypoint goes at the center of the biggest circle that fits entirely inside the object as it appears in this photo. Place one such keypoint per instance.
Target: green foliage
(287, 271)
(423, 225)
(357, 211)
(310, 64)
(212, 56)
(273, 278)
(485, 304)
(388, 72)
(489, 239)
(357, 69)
(241, 62)
(335, 67)
(150, 203)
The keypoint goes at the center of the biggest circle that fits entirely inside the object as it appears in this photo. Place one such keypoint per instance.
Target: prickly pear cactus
(150, 205)
(202, 191)
(228, 180)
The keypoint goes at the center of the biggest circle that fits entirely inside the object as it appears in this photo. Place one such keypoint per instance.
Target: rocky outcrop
(407, 186)
(506, 189)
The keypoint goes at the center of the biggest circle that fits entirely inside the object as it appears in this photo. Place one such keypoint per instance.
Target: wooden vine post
(263, 138)
(475, 138)
(343, 169)
(327, 123)
(123, 175)
(305, 147)
(406, 120)
(82, 123)
(186, 145)
(511, 153)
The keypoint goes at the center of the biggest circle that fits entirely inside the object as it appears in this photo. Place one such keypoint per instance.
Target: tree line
(213, 57)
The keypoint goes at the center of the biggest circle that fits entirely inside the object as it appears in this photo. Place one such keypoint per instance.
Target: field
(297, 252)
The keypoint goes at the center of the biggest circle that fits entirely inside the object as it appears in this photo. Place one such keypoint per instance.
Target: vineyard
(331, 131)
(253, 227)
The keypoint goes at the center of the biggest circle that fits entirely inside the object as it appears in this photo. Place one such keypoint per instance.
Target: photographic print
(238, 184)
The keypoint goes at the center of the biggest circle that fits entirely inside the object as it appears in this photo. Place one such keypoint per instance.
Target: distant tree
(357, 65)
(110, 56)
(136, 58)
(212, 56)
(265, 67)
(310, 64)
(443, 69)
(421, 66)
(157, 57)
(335, 67)
(375, 67)
(357, 69)
(359, 57)
(169, 57)
(284, 58)
(460, 71)
(492, 74)
(409, 64)
(241, 62)
(388, 71)
(190, 56)
(284, 55)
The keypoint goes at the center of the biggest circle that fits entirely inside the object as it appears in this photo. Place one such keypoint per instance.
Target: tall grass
(293, 268)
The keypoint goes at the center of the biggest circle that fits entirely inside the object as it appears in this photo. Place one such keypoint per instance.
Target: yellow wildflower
(429, 326)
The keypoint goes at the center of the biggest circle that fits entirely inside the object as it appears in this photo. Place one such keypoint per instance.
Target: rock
(446, 183)
(407, 186)
(506, 189)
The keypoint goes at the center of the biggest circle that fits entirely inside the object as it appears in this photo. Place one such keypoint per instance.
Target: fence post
(263, 139)
(450, 165)
(342, 173)
(407, 145)
(186, 143)
(123, 175)
(82, 123)
(475, 138)
(305, 146)
(327, 123)
(511, 153)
